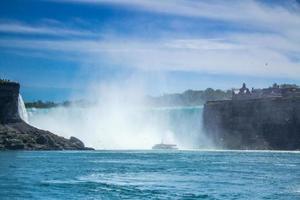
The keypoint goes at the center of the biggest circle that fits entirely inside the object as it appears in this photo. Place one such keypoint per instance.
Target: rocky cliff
(9, 93)
(15, 134)
(266, 123)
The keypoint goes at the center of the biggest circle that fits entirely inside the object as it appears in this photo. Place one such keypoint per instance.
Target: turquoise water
(150, 175)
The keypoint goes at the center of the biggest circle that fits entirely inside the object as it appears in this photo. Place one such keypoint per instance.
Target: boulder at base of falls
(21, 136)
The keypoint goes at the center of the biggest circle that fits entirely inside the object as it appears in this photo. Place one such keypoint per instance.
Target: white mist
(21, 109)
(120, 119)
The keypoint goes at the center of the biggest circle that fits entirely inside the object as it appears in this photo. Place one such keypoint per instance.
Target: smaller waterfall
(22, 110)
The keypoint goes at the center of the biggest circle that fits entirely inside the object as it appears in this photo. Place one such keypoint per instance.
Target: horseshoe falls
(120, 127)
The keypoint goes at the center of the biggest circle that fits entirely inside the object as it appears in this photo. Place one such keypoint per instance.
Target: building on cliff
(276, 90)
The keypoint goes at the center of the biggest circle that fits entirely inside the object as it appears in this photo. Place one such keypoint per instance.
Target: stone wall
(267, 123)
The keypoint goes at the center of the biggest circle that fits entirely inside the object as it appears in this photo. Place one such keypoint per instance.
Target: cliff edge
(263, 123)
(15, 134)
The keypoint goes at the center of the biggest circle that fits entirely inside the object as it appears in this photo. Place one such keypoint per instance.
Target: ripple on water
(148, 175)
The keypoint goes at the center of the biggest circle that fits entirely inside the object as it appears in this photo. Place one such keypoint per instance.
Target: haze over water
(125, 128)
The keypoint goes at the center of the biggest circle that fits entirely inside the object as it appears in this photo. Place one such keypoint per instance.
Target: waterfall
(22, 110)
(120, 127)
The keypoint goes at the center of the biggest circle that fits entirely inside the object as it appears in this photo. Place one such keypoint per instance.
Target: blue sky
(57, 48)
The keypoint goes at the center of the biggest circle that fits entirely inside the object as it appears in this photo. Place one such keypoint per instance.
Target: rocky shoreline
(15, 134)
(21, 136)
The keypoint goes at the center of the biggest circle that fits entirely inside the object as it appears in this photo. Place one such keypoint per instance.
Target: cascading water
(118, 127)
(21, 109)
(122, 118)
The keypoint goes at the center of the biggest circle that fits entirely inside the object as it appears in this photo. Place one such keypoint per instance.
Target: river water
(150, 175)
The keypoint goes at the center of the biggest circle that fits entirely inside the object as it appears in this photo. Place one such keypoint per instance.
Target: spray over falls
(135, 128)
(122, 120)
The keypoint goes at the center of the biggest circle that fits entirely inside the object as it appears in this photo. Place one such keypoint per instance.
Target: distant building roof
(284, 90)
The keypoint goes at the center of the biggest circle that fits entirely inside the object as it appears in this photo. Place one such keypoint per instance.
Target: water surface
(150, 175)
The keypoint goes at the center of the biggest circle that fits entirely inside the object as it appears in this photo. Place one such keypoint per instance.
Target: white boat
(165, 146)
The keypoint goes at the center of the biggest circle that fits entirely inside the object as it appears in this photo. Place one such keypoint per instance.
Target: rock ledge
(15, 134)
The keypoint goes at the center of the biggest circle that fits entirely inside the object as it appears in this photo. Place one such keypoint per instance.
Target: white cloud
(258, 57)
(16, 27)
(249, 11)
(265, 51)
(277, 18)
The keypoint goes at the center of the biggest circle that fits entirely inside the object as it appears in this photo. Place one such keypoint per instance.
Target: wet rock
(22, 136)
(76, 142)
(14, 144)
(15, 134)
(41, 139)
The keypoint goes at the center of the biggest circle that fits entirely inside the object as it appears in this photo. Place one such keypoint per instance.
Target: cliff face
(9, 93)
(15, 134)
(270, 123)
